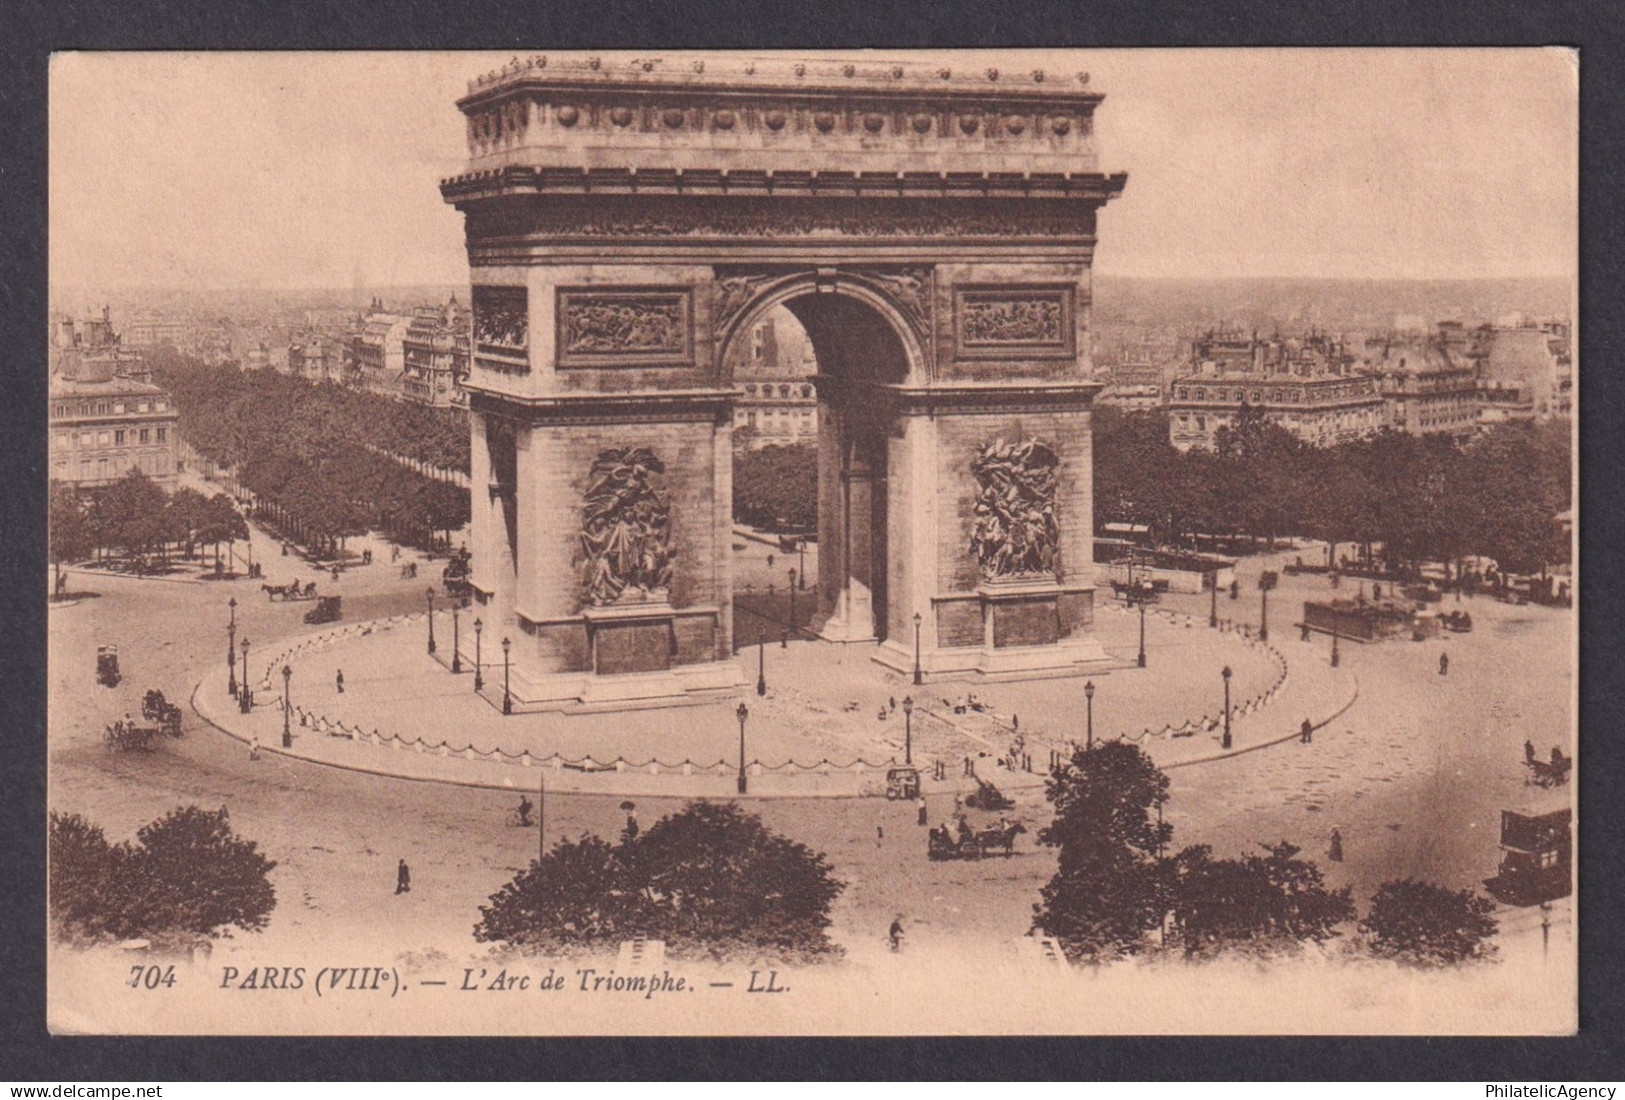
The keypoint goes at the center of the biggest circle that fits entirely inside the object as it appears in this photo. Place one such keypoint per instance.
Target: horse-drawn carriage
(1547, 773)
(1458, 622)
(328, 609)
(902, 783)
(456, 573)
(107, 672)
(155, 708)
(128, 735)
(293, 590)
(944, 843)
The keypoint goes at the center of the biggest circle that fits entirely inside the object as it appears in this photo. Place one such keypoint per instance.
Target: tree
(1106, 893)
(1260, 905)
(70, 536)
(710, 880)
(187, 876)
(1426, 925)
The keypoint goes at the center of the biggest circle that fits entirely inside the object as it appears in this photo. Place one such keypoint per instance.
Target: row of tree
(776, 487)
(136, 517)
(437, 437)
(1418, 498)
(323, 463)
(1113, 886)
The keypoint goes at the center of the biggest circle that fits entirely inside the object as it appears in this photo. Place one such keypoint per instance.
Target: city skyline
(1433, 164)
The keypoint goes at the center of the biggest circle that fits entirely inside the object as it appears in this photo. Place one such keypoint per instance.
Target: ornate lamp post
(908, 730)
(1266, 581)
(1089, 710)
(456, 640)
(801, 548)
(1334, 637)
(761, 662)
(231, 648)
(1226, 675)
(792, 605)
(742, 713)
(507, 697)
(287, 705)
(918, 619)
(479, 680)
(245, 697)
(1213, 602)
(1141, 660)
(429, 595)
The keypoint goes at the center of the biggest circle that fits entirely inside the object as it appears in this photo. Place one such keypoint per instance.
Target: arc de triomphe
(932, 229)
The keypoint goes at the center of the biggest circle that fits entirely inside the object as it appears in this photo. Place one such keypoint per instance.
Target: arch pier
(932, 230)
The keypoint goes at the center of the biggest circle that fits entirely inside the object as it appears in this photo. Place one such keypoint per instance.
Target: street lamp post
(742, 713)
(1142, 633)
(245, 697)
(792, 605)
(801, 548)
(761, 662)
(1266, 581)
(231, 648)
(1213, 602)
(287, 705)
(456, 640)
(507, 697)
(1089, 710)
(429, 595)
(1226, 675)
(1334, 637)
(918, 619)
(479, 680)
(908, 730)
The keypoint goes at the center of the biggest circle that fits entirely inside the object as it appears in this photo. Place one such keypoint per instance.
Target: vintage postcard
(813, 544)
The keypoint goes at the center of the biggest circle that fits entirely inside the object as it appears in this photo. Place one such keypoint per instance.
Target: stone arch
(788, 290)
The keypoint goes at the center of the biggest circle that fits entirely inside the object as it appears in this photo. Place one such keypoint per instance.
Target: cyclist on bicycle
(524, 812)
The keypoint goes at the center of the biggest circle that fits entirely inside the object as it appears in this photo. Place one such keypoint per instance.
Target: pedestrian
(1529, 752)
(895, 933)
(892, 702)
(1307, 733)
(1444, 663)
(920, 804)
(1336, 853)
(1305, 628)
(254, 747)
(339, 681)
(1376, 591)
(403, 879)
(394, 554)
(335, 574)
(880, 833)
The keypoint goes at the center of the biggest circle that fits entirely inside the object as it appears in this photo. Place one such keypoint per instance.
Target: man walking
(1444, 663)
(403, 879)
(339, 681)
(1306, 733)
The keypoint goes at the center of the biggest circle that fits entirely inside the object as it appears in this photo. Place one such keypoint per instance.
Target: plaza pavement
(818, 732)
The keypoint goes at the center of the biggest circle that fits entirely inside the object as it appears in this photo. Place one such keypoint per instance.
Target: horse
(991, 840)
(272, 591)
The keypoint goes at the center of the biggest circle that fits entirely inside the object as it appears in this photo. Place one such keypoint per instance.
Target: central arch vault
(932, 230)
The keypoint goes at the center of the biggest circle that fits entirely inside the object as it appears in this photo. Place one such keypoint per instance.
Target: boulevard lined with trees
(324, 462)
(1417, 498)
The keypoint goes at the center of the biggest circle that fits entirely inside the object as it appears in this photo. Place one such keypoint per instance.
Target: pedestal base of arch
(1007, 629)
(589, 691)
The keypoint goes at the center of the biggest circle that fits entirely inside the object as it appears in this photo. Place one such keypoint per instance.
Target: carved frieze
(1015, 533)
(736, 289)
(626, 547)
(634, 327)
(663, 216)
(502, 327)
(1015, 322)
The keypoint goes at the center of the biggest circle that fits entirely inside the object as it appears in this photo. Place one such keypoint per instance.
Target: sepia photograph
(864, 543)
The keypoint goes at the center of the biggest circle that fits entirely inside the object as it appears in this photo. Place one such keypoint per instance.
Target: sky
(297, 170)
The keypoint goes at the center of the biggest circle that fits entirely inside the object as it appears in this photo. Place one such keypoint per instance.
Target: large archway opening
(816, 370)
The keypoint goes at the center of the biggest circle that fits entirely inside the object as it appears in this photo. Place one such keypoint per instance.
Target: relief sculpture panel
(502, 327)
(626, 529)
(1015, 322)
(1015, 533)
(624, 328)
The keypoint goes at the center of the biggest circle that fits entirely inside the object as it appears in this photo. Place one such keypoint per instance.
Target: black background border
(31, 29)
